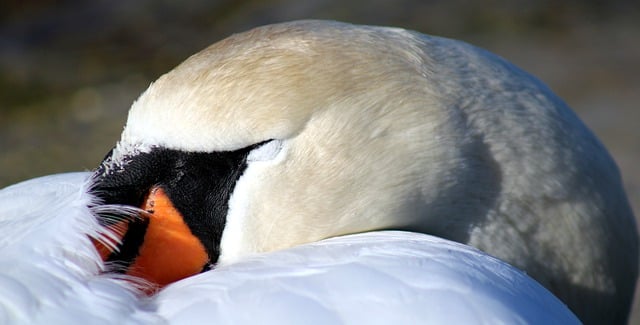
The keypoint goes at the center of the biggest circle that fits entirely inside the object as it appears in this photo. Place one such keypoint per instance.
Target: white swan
(293, 133)
(296, 132)
(50, 274)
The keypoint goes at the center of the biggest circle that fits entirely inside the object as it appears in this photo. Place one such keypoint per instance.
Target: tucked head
(283, 135)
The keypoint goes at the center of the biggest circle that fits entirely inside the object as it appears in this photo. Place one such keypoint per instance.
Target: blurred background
(69, 70)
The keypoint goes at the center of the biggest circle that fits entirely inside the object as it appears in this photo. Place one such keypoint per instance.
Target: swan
(293, 133)
(51, 273)
(296, 132)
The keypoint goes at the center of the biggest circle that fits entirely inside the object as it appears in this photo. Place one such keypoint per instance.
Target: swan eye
(267, 150)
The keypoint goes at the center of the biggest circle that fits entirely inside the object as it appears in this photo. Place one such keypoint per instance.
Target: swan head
(283, 135)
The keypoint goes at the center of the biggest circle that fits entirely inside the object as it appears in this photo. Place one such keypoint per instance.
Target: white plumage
(50, 274)
(49, 269)
(369, 278)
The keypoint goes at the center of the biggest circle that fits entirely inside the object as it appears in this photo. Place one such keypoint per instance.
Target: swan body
(368, 278)
(51, 274)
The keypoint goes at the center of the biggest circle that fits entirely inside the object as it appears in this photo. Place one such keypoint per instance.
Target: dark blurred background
(70, 69)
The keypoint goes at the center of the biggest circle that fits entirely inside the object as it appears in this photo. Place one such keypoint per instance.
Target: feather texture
(50, 273)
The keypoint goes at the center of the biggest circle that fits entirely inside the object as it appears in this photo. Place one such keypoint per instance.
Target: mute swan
(296, 132)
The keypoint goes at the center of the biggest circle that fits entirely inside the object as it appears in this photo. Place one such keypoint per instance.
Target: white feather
(370, 278)
(49, 269)
(50, 274)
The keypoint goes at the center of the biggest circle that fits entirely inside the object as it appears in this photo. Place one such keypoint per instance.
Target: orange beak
(170, 251)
